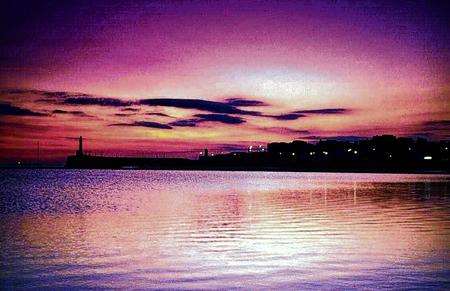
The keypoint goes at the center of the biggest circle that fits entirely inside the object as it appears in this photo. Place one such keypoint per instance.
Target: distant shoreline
(380, 154)
(237, 169)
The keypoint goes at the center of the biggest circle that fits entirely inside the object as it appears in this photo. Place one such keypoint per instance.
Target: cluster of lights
(259, 148)
(292, 154)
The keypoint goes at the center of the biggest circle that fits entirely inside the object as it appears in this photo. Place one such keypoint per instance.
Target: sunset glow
(171, 78)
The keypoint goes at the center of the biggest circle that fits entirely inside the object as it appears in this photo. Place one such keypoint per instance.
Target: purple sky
(140, 77)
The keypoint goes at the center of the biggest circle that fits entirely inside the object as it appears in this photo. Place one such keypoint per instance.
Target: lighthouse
(80, 146)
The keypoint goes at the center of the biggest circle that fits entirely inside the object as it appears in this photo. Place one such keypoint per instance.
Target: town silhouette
(385, 153)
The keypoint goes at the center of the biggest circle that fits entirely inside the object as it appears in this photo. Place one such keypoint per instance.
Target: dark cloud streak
(130, 109)
(284, 130)
(148, 124)
(157, 114)
(199, 104)
(223, 118)
(437, 124)
(341, 138)
(439, 128)
(305, 113)
(8, 109)
(109, 102)
(186, 122)
(289, 116)
(200, 118)
(241, 102)
(71, 112)
(324, 111)
(124, 114)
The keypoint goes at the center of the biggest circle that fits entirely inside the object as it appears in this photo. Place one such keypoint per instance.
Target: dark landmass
(379, 154)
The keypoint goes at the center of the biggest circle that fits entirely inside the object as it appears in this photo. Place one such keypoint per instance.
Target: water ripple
(223, 230)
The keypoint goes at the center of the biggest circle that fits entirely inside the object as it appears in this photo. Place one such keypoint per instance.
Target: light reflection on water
(175, 229)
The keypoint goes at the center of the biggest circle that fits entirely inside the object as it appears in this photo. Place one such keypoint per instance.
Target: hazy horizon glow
(252, 73)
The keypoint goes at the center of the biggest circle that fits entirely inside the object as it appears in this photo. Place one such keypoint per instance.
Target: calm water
(189, 230)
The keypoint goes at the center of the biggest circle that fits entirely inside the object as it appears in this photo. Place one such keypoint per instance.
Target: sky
(169, 78)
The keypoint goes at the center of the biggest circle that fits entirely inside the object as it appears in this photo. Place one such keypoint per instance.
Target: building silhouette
(385, 153)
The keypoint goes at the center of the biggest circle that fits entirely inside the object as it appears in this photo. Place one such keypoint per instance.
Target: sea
(133, 229)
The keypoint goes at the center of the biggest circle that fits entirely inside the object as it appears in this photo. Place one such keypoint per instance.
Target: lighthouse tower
(80, 146)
